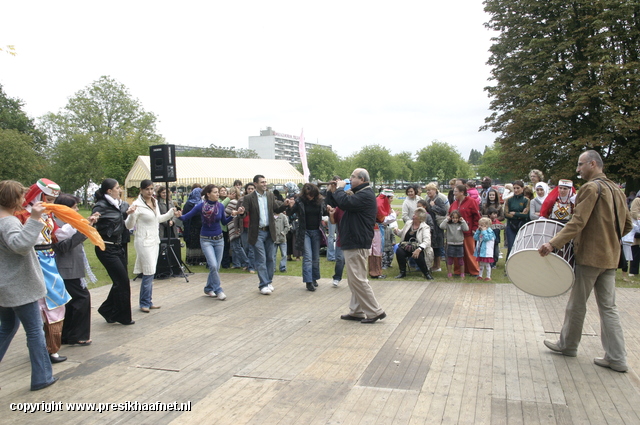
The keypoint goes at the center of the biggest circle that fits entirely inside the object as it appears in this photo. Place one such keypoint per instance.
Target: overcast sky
(350, 73)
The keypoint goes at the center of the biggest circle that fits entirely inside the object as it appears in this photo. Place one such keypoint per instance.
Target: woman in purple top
(211, 239)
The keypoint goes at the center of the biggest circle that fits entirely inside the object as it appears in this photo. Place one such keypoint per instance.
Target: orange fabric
(80, 223)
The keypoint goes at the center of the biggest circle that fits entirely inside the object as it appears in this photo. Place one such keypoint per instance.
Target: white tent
(223, 171)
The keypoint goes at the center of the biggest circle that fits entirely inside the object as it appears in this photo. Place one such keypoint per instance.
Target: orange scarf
(80, 223)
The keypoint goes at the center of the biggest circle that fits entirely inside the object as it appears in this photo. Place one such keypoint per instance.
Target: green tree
(322, 163)
(21, 144)
(106, 124)
(440, 161)
(475, 157)
(566, 78)
(403, 166)
(20, 161)
(377, 161)
(493, 166)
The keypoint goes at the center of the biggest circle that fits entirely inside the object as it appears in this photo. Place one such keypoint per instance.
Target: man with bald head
(600, 219)
(356, 233)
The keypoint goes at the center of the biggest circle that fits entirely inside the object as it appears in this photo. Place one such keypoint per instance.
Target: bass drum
(548, 276)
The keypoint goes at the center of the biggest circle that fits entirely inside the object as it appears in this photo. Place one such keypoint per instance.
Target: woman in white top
(146, 218)
(542, 190)
(410, 203)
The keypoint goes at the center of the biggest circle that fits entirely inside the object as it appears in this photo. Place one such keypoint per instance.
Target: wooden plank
(289, 359)
(499, 411)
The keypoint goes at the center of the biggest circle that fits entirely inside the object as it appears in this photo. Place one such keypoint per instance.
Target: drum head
(548, 276)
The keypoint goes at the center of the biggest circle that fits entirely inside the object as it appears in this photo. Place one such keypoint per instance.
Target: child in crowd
(528, 193)
(282, 228)
(485, 239)
(496, 226)
(455, 226)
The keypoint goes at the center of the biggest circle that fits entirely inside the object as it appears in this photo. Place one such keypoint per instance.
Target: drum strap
(615, 204)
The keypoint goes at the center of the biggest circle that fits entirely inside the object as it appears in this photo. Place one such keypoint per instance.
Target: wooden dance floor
(448, 352)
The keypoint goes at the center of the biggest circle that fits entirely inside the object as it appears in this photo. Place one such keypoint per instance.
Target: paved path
(447, 353)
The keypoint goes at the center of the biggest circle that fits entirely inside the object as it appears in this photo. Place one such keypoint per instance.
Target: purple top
(212, 215)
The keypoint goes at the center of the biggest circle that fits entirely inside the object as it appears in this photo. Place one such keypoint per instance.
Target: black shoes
(315, 283)
(57, 359)
(401, 275)
(350, 317)
(374, 319)
(310, 286)
(127, 323)
(428, 276)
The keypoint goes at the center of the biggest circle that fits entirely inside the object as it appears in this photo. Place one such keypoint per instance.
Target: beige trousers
(363, 301)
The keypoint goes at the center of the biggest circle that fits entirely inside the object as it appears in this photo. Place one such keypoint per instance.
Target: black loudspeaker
(162, 160)
(167, 265)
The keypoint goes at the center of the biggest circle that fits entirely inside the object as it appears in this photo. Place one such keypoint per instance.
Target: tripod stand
(174, 256)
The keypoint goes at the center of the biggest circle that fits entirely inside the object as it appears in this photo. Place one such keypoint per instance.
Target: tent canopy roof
(221, 171)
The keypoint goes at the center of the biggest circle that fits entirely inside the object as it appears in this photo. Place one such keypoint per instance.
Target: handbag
(410, 245)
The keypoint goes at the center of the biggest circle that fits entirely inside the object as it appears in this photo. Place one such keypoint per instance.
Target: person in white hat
(560, 202)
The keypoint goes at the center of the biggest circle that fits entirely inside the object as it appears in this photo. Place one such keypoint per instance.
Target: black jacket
(359, 218)
(299, 208)
(110, 225)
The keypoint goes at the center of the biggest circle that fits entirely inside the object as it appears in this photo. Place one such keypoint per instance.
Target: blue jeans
(238, 255)
(331, 242)
(264, 252)
(213, 250)
(311, 260)
(283, 255)
(339, 264)
(248, 250)
(29, 315)
(145, 291)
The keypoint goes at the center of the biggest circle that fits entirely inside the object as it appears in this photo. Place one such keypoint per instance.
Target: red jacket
(468, 209)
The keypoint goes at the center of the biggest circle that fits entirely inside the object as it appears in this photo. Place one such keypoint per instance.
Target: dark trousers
(402, 256)
(117, 306)
(77, 316)
(635, 262)
(226, 256)
(496, 248)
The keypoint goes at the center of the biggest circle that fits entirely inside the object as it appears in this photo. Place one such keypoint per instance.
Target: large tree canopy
(566, 78)
(21, 143)
(441, 161)
(103, 127)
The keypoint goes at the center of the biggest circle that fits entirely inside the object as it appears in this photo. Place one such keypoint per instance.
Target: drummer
(599, 218)
(560, 203)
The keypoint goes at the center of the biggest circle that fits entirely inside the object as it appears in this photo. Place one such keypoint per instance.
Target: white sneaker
(221, 296)
(270, 286)
(436, 270)
(211, 294)
(336, 282)
(265, 290)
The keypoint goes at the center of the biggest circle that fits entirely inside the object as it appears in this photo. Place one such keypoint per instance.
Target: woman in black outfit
(110, 225)
(308, 207)
(70, 259)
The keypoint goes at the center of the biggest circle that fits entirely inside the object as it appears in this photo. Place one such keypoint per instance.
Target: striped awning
(220, 171)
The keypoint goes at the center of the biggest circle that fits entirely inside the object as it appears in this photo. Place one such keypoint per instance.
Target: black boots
(401, 275)
(310, 286)
(427, 274)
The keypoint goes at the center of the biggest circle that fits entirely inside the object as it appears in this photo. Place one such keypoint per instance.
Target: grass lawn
(294, 268)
